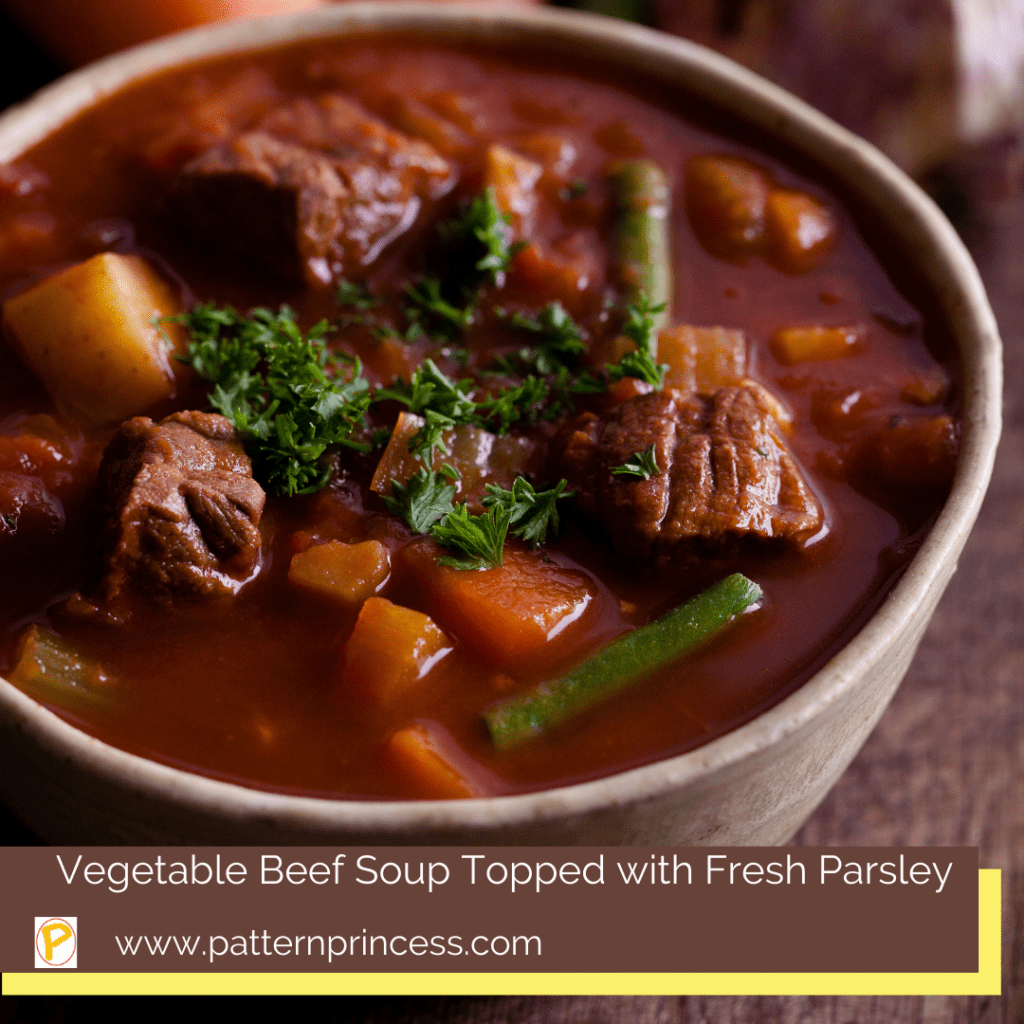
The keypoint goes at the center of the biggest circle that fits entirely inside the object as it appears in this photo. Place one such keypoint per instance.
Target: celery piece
(621, 664)
(50, 670)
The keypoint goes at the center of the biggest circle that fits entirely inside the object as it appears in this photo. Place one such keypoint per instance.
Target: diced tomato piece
(505, 614)
(390, 650)
(348, 573)
(420, 755)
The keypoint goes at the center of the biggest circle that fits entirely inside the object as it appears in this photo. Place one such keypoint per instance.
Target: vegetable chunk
(49, 669)
(805, 344)
(507, 613)
(703, 358)
(800, 230)
(347, 573)
(390, 650)
(88, 334)
(416, 753)
(621, 664)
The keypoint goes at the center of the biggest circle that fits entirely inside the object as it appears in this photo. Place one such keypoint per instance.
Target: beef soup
(372, 409)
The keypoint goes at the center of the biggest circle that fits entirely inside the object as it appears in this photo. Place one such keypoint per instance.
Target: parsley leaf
(477, 243)
(532, 513)
(422, 500)
(273, 383)
(442, 403)
(478, 540)
(642, 464)
(429, 312)
(559, 342)
(513, 405)
(639, 328)
(356, 294)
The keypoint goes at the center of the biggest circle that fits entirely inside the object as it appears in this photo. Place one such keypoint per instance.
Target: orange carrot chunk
(508, 613)
(390, 651)
(416, 752)
(726, 198)
(348, 573)
(800, 230)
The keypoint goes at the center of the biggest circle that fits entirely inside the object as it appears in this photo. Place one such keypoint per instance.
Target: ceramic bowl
(755, 785)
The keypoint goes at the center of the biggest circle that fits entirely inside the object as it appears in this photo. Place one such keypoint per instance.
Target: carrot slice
(417, 753)
(508, 613)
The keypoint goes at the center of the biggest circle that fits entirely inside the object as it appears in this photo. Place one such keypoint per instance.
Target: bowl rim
(853, 162)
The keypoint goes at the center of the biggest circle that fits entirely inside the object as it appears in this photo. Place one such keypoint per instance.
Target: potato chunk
(88, 334)
(390, 650)
(792, 345)
(347, 573)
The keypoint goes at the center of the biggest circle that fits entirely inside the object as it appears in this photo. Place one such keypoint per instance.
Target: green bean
(641, 240)
(621, 664)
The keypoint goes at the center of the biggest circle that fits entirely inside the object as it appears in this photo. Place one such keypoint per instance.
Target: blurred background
(939, 86)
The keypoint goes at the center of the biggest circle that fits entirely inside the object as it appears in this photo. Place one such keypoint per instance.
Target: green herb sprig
(280, 389)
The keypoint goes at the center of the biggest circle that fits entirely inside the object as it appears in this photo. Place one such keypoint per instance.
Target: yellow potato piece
(348, 573)
(88, 334)
(804, 344)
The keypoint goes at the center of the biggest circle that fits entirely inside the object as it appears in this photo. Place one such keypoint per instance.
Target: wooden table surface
(946, 764)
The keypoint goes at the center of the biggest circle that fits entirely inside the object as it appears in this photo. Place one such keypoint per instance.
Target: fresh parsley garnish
(559, 343)
(423, 499)
(532, 513)
(642, 464)
(431, 313)
(478, 244)
(476, 540)
(355, 294)
(576, 189)
(279, 388)
(639, 328)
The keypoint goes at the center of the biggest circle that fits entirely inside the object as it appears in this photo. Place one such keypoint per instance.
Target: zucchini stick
(642, 250)
(621, 664)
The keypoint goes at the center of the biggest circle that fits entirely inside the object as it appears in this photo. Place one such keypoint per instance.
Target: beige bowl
(755, 785)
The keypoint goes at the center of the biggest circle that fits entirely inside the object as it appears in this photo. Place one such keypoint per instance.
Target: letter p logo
(56, 941)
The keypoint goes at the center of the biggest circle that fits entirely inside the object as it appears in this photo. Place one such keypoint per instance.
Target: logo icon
(56, 942)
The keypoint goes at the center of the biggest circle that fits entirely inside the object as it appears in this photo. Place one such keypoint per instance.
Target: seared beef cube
(317, 190)
(181, 513)
(725, 472)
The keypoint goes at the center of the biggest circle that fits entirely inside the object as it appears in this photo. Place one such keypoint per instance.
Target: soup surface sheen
(253, 687)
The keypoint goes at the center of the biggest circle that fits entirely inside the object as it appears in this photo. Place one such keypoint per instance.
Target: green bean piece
(49, 669)
(641, 240)
(622, 663)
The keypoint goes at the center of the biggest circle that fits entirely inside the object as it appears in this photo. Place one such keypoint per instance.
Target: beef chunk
(180, 511)
(317, 189)
(725, 472)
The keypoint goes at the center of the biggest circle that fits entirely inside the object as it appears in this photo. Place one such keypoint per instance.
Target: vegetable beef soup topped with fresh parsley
(380, 418)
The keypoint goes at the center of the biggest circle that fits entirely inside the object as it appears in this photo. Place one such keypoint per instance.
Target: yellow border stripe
(985, 982)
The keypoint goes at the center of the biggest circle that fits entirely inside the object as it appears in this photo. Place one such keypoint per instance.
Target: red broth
(248, 689)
